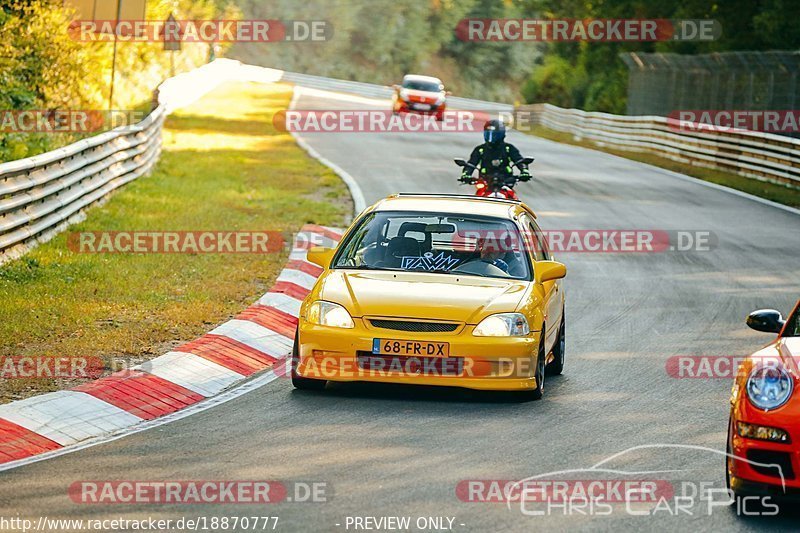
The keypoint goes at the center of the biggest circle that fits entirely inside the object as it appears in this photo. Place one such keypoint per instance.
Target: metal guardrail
(762, 156)
(41, 195)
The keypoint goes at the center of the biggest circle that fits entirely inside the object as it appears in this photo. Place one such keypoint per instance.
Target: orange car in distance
(420, 94)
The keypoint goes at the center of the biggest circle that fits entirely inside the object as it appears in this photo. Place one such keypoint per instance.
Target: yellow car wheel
(541, 370)
(556, 368)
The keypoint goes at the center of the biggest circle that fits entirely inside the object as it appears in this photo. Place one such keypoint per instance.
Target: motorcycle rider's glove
(525, 175)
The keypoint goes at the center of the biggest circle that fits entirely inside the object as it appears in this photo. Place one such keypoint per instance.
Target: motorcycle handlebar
(521, 165)
(516, 177)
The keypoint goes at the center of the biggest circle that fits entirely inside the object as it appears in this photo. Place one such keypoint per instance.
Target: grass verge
(224, 167)
(769, 191)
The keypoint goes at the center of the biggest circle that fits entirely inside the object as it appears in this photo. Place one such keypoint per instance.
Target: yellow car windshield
(414, 241)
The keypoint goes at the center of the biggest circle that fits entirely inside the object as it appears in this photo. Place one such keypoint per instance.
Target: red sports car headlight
(769, 387)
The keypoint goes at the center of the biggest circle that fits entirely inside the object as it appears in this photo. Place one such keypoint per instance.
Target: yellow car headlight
(502, 325)
(329, 314)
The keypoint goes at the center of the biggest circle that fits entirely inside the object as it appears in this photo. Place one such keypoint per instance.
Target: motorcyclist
(495, 156)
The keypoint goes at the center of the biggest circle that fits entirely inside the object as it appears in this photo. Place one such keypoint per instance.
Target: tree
(42, 67)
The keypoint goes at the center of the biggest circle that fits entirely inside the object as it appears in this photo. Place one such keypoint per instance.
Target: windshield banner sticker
(429, 262)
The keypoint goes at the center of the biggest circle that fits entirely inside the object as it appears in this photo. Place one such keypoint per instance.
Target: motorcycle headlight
(403, 94)
(329, 314)
(502, 325)
(769, 387)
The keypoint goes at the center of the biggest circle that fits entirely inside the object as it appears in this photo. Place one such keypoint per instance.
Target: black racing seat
(417, 227)
(399, 247)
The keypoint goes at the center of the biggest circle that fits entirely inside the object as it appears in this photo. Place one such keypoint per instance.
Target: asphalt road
(402, 451)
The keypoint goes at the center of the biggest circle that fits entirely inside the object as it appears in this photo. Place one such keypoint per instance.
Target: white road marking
(281, 302)
(298, 278)
(67, 417)
(299, 255)
(192, 372)
(255, 336)
(232, 394)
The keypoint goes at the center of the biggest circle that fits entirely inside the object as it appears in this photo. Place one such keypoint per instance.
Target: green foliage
(555, 82)
(39, 69)
(43, 68)
(379, 41)
(776, 24)
(746, 25)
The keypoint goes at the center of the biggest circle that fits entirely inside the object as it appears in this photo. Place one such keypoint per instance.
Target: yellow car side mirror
(320, 256)
(549, 270)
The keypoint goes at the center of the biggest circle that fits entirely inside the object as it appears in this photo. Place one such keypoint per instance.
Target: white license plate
(422, 107)
(410, 348)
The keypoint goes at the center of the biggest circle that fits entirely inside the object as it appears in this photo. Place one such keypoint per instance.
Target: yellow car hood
(421, 295)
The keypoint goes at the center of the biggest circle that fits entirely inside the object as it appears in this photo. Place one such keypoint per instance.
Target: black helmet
(494, 131)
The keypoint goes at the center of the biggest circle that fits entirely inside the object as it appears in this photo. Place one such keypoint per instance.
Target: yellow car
(435, 290)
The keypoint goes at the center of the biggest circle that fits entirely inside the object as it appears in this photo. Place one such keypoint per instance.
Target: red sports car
(764, 428)
(420, 94)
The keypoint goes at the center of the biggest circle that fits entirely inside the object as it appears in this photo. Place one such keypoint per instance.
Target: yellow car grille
(414, 326)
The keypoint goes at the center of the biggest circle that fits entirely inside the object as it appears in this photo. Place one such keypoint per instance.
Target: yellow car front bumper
(482, 363)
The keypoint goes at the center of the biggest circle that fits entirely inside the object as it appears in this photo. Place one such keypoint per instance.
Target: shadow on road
(418, 393)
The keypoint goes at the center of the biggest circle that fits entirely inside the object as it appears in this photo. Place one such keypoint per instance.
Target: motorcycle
(493, 185)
